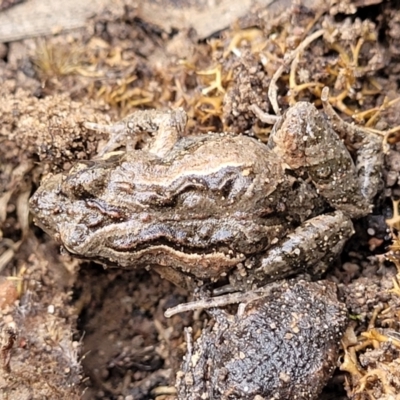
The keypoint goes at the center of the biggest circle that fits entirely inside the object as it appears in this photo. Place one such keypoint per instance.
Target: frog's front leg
(309, 249)
(168, 126)
(307, 143)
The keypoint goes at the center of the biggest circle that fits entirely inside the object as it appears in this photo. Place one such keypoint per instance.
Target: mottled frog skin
(203, 208)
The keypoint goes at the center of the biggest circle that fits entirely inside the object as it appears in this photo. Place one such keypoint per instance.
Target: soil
(72, 329)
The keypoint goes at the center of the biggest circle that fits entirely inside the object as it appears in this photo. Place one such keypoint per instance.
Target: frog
(216, 208)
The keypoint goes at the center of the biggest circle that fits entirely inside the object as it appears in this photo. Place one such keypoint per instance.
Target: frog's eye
(323, 172)
(320, 173)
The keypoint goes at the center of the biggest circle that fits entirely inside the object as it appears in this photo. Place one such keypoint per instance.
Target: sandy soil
(69, 328)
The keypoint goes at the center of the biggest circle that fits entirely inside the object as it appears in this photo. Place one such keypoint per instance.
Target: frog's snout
(46, 205)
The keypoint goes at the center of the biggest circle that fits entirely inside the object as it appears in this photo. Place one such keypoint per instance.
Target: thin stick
(221, 301)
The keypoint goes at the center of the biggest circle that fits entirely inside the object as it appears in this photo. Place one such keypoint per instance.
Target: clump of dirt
(52, 128)
(72, 330)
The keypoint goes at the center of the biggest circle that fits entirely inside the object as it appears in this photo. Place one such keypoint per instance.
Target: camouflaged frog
(215, 206)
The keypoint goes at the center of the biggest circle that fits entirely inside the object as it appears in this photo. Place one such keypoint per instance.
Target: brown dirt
(70, 329)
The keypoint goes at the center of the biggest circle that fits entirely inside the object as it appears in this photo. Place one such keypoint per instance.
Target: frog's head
(56, 212)
(48, 204)
(60, 204)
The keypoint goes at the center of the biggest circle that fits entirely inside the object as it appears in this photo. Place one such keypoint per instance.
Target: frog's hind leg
(311, 248)
(307, 143)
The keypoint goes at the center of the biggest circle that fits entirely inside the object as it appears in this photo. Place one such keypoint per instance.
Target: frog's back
(234, 169)
(210, 201)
